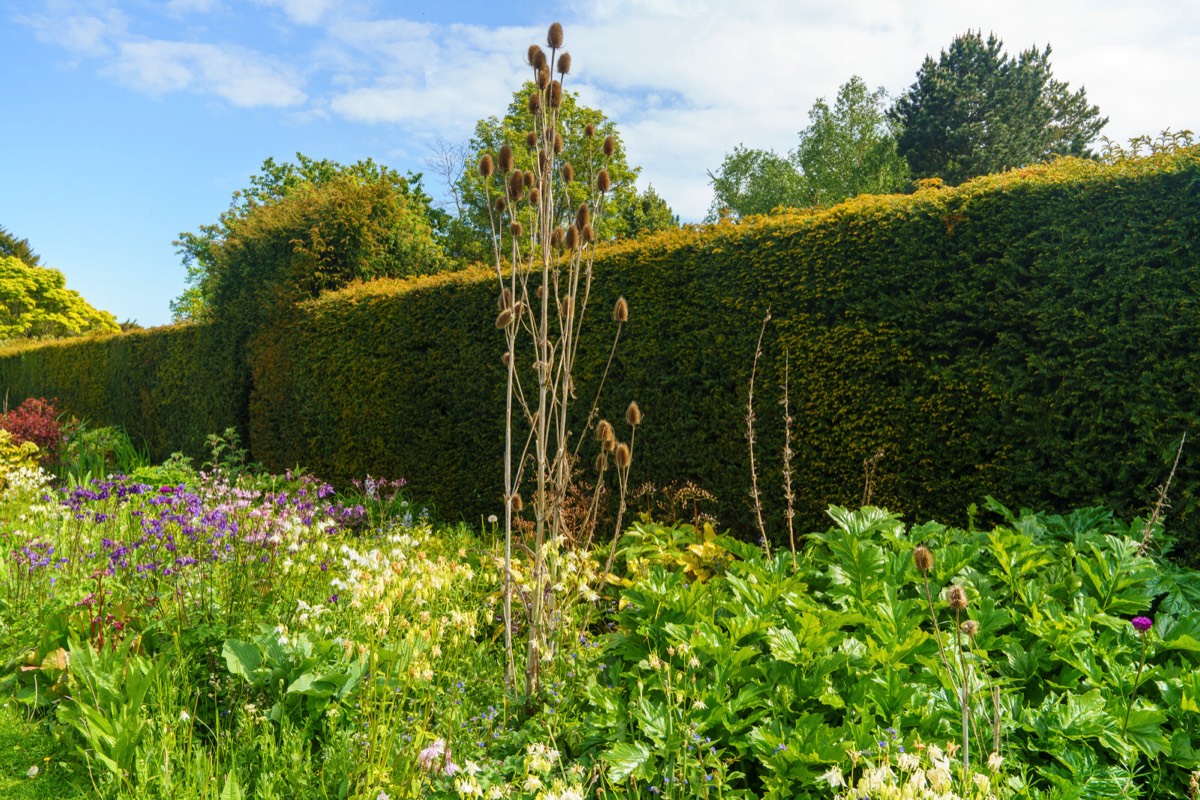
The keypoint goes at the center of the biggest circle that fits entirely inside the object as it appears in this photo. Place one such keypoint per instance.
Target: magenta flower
(1142, 624)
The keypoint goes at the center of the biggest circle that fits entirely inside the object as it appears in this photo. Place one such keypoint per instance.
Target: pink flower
(435, 759)
(1142, 624)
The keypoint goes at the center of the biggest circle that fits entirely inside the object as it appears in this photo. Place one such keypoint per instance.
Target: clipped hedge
(168, 387)
(1030, 335)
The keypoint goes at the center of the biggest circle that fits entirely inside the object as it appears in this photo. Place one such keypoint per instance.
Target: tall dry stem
(755, 498)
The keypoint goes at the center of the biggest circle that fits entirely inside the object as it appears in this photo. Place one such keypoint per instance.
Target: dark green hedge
(169, 387)
(1031, 335)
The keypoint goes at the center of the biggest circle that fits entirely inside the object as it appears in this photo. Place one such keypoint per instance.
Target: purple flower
(1142, 624)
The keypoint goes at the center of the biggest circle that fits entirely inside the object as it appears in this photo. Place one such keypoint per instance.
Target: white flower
(909, 761)
(833, 777)
(495, 793)
(184, 716)
(468, 787)
(571, 793)
(532, 783)
(33, 771)
(383, 795)
(994, 762)
(981, 781)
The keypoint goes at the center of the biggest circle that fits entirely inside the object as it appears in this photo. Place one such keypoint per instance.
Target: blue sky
(129, 121)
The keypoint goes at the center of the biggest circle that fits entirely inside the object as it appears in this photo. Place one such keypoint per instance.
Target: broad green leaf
(624, 759)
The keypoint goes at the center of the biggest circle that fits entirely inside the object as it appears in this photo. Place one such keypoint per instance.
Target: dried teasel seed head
(535, 197)
(601, 461)
(529, 177)
(604, 431)
(589, 130)
(535, 57)
(566, 307)
(556, 238)
(534, 103)
(505, 299)
(516, 502)
(559, 144)
(486, 167)
(956, 596)
(621, 310)
(633, 414)
(504, 319)
(610, 445)
(516, 185)
(500, 205)
(541, 292)
(555, 94)
(530, 140)
(554, 37)
(583, 215)
(543, 77)
(922, 559)
(572, 238)
(568, 172)
(564, 63)
(506, 358)
(969, 628)
(515, 229)
(505, 158)
(589, 235)
(602, 181)
(610, 145)
(623, 456)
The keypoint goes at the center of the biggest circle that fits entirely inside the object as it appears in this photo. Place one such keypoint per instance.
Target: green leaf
(242, 658)
(624, 759)
(1145, 731)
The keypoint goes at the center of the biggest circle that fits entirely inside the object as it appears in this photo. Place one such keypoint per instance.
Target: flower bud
(535, 57)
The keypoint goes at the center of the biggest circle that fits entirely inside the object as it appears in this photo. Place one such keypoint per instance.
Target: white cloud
(241, 77)
(192, 6)
(81, 30)
(302, 12)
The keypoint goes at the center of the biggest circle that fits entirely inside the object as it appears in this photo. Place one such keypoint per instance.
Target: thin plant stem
(1136, 681)
(756, 500)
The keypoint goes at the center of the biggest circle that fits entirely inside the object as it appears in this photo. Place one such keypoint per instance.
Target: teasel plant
(544, 251)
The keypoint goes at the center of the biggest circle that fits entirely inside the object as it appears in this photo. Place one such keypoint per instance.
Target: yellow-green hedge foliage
(1031, 335)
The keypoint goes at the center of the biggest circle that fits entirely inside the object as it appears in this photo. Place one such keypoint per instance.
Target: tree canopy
(627, 212)
(36, 303)
(976, 110)
(10, 245)
(302, 228)
(846, 150)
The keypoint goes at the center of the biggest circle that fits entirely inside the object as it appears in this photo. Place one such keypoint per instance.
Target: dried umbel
(956, 596)
(564, 63)
(603, 182)
(621, 310)
(623, 456)
(610, 145)
(554, 37)
(486, 167)
(633, 414)
(969, 628)
(506, 158)
(604, 431)
(922, 559)
(568, 172)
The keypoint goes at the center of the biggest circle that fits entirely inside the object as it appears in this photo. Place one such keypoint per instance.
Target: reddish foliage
(36, 420)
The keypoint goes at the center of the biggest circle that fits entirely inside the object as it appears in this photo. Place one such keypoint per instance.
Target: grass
(25, 744)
